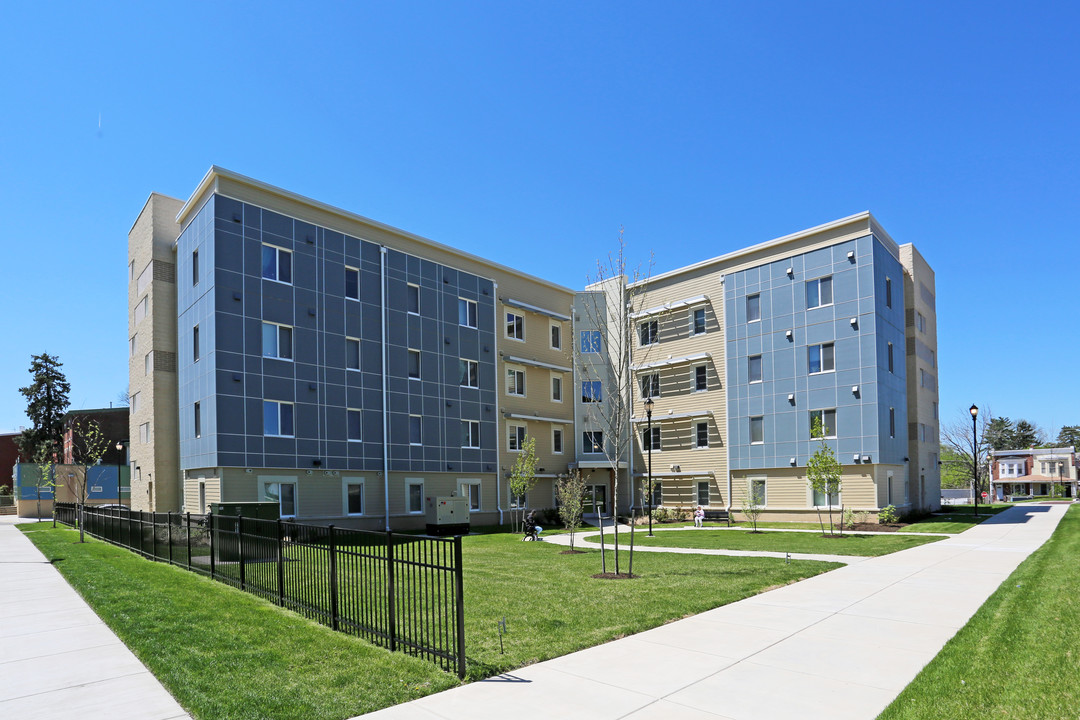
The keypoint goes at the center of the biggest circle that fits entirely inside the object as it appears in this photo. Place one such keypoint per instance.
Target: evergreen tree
(1000, 434)
(1026, 435)
(46, 403)
(1069, 435)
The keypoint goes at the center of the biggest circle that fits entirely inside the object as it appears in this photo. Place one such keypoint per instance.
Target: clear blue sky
(530, 132)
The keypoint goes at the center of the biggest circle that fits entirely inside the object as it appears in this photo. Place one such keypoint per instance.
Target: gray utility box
(259, 531)
(448, 516)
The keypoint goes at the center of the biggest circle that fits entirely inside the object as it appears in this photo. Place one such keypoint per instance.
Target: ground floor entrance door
(595, 500)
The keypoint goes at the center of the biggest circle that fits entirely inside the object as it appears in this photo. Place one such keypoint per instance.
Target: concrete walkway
(836, 646)
(57, 658)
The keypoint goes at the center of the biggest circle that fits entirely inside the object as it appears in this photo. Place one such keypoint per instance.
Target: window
(466, 312)
(471, 490)
(352, 354)
(141, 309)
(556, 336)
(753, 307)
(416, 428)
(470, 373)
(701, 435)
(134, 402)
(657, 493)
(148, 363)
(757, 430)
(284, 494)
(592, 441)
(890, 354)
(195, 343)
(131, 271)
(515, 326)
(590, 341)
(519, 501)
(470, 433)
(277, 341)
(933, 359)
(515, 438)
(194, 267)
(352, 283)
(134, 344)
(697, 321)
(820, 358)
(277, 418)
(354, 497)
(920, 322)
(703, 493)
(556, 387)
(515, 381)
(414, 364)
(144, 433)
(701, 378)
(821, 500)
(819, 292)
(892, 422)
(591, 391)
(198, 419)
(354, 425)
(650, 438)
(556, 440)
(935, 410)
(650, 385)
(412, 299)
(823, 423)
(648, 332)
(757, 490)
(414, 490)
(276, 264)
(753, 368)
(888, 292)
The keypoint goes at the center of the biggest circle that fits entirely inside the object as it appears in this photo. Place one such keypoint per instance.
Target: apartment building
(285, 350)
(745, 354)
(1034, 471)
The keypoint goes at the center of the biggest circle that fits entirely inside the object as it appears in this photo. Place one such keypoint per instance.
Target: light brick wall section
(155, 483)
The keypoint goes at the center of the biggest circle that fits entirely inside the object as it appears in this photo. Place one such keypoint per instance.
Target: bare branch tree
(603, 361)
(957, 437)
(90, 445)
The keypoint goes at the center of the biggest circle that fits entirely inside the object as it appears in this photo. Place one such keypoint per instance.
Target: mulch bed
(572, 552)
(875, 527)
(614, 576)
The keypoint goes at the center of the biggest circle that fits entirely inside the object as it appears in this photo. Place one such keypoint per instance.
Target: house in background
(284, 350)
(9, 456)
(1034, 471)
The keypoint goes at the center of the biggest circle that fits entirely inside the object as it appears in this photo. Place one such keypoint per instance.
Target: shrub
(666, 515)
(888, 515)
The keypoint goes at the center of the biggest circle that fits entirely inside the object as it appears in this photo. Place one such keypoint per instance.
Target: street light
(648, 417)
(119, 480)
(975, 454)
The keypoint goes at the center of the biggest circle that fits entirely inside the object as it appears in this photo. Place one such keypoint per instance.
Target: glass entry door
(595, 500)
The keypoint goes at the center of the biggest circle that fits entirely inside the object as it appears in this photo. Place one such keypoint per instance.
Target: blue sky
(530, 132)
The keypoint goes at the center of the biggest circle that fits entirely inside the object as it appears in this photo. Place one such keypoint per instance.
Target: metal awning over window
(522, 416)
(535, 309)
(671, 361)
(674, 416)
(536, 363)
(667, 307)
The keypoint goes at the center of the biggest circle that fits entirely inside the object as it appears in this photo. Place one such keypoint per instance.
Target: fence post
(168, 519)
(333, 581)
(210, 530)
(460, 606)
(280, 563)
(390, 610)
(240, 547)
(153, 535)
(187, 533)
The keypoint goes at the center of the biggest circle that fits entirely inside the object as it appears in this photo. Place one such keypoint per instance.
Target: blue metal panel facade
(233, 377)
(788, 391)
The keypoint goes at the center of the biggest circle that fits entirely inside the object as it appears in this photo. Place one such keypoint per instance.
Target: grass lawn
(1017, 657)
(849, 544)
(224, 653)
(955, 518)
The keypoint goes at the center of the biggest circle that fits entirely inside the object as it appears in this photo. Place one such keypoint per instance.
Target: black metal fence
(402, 592)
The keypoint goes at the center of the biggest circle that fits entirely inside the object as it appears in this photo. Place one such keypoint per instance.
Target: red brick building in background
(114, 426)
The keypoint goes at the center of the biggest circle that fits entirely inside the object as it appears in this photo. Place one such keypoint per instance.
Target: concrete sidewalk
(835, 646)
(57, 658)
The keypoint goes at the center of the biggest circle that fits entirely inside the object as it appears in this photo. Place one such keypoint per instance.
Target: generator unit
(448, 516)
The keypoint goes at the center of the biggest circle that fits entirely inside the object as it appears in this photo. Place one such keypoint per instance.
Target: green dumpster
(245, 529)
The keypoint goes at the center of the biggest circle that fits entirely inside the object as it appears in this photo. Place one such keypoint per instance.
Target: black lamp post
(648, 417)
(975, 454)
(119, 479)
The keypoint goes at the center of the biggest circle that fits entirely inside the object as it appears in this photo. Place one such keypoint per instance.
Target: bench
(718, 515)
